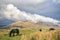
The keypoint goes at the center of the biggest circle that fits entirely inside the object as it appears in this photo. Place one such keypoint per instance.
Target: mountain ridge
(28, 24)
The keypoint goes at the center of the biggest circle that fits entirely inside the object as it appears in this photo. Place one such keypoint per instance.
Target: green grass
(4, 35)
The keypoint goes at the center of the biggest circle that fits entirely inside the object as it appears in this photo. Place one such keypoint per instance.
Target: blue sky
(44, 8)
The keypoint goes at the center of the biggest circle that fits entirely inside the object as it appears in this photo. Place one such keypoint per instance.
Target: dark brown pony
(13, 32)
(51, 29)
(40, 29)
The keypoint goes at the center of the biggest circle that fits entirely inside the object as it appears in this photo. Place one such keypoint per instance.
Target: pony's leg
(17, 33)
(13, 34)
(10, 34)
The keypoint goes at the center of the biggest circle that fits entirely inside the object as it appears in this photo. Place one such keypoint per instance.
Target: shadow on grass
(20, 35)
(16, 35)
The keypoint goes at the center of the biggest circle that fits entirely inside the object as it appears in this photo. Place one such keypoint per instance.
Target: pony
(40, 29)
(51, 29)
(13, 32)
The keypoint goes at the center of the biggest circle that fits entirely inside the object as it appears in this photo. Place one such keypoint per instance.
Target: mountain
(27, 24)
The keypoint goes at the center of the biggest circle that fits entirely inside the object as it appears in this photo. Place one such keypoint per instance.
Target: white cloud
(27, 5)
(56, 1)
(26, 1)
(13, 13)
(32, 1)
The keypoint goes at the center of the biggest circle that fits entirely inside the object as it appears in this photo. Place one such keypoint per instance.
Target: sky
(47, 11)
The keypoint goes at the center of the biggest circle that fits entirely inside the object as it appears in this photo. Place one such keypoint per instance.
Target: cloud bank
(56, 1)
(13, 13)
(43, 7)
(24, 1)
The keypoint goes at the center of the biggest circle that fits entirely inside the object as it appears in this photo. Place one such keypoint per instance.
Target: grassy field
(29, 34)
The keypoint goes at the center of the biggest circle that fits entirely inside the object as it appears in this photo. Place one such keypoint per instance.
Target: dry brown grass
(49, 35)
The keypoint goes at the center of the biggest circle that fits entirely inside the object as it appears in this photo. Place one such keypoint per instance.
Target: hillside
(27, 24)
